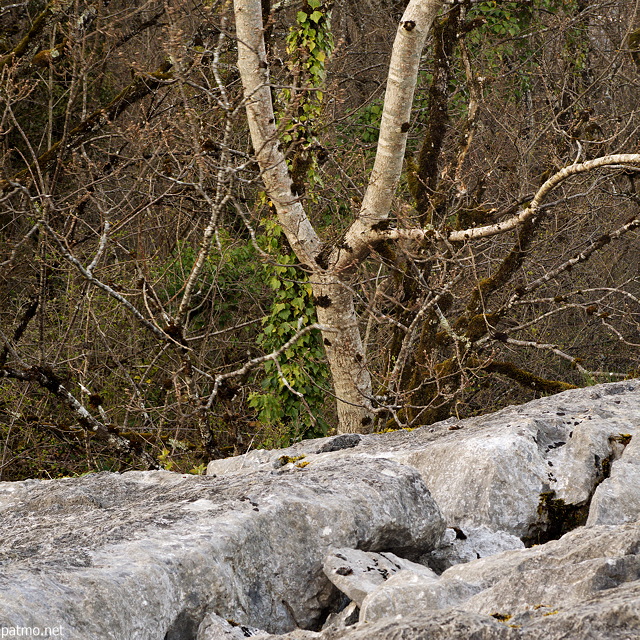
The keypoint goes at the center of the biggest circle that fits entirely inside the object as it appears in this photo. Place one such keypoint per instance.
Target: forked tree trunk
(330, 277)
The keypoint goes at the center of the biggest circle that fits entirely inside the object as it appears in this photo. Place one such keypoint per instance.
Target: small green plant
(293, 388)
(199, 469)
(366, 126)
(231, 270)
(164, 459)
(301, 368)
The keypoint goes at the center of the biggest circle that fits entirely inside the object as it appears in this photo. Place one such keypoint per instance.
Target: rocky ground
(522, 524)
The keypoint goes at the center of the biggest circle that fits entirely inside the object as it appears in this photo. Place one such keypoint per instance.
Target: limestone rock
(528, 471)
(213, 627)
(558, 574)
(357, 573)
(149, 554)
(460, 546)
(516, 584)
(407, 592)
(617, 499)
(159, 555)
(449, 625)
(585, 585)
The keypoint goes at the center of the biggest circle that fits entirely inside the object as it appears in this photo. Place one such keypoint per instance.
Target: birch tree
(475, 249)
(331, 267)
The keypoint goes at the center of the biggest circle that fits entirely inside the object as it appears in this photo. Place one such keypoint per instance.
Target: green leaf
(301, 17)
(314, 4)
(316, 16)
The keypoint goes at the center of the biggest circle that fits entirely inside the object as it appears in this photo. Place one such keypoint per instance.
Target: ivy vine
(293, 389)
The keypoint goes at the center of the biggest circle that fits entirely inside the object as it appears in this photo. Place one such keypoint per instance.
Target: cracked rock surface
(585, 585)
(149, 554)
(517, 471)
(346, 537)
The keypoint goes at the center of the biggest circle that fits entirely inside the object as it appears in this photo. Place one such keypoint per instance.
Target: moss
(302, 465)
(285, 460)
(478, 325)
(623, 438)
(473, 217)
(393, 426)
(502, 617)
(507, 269)
(528, 379)
(425, 181)
(633, 43)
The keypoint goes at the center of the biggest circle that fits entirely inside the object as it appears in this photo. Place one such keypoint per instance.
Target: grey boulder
(460, 546)
(357, 573)
(529, 471)
(150, 554)
(585, 585)
(617, 499)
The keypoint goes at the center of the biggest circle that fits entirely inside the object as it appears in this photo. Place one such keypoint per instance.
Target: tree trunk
(333, 296)
(345, 353)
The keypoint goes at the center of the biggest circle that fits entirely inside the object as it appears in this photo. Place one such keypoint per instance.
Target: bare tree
(332, 267)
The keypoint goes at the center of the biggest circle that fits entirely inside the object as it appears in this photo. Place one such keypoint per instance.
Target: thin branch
(254, 362)
(66, 254)
(47, 379)
(583, 256)
(143, 85)
(548, 347)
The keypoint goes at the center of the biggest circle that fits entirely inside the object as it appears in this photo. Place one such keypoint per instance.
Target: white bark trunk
(345, 353)
(396, 116)
(254, 72)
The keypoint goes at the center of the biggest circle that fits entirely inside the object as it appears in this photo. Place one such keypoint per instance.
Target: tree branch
(36, 28)
(411, 36)
(142, 86)
(47, 379)
(543, 191)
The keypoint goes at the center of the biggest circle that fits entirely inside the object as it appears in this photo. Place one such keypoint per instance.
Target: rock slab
(148, 555)
(517, 471)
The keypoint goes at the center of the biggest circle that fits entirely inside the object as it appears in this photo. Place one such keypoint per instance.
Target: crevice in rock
(556, 518)
(184, 627)
(339, 602)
